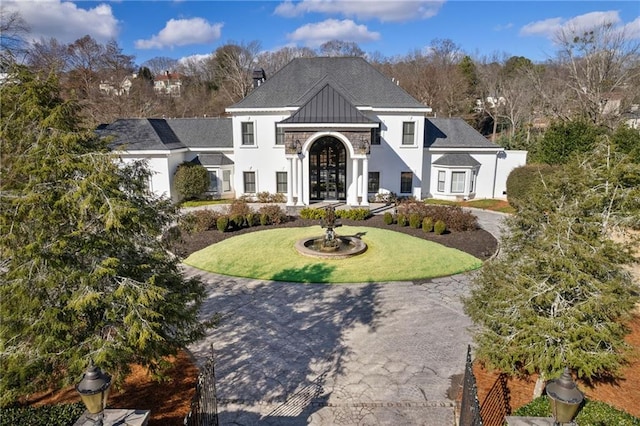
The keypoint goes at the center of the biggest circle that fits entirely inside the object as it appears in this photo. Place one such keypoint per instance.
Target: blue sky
(182, 28)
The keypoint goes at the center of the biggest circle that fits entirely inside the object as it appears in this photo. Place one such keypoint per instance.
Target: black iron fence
(496, 405)
(470, 406)
(204, 405)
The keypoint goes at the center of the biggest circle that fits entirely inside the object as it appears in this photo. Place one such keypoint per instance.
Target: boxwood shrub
(592, 413)
(388, 218)
(427, 224)
(222, 223)
(439, 227)
(354, 214)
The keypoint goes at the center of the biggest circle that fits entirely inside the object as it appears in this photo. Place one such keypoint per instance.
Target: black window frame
(404, 182)
(279, 136)
(249, 184)
(373, 184)
(248, 136)
(279, 184)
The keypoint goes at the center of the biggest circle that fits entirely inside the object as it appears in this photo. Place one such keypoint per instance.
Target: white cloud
(632, 29)
(382, 10)
(313, 35)
(197, 58)
(551, 27)
(182, 32)
(65, 21)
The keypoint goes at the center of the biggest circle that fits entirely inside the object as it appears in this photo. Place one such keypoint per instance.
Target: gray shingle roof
(141, 134)
(212, 159)
(328, 106)
(361, 83)
(457, 159)
(203, 132)
(453, 133)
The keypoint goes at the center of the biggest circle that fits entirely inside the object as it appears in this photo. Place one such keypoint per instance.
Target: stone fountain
(330, 245)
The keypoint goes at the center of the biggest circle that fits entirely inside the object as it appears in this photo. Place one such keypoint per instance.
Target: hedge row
(236, 216)
(455, 218)
(592, 413)
(320, 213)
(50, 415)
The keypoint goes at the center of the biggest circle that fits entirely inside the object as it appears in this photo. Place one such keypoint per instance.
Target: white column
(290, 182)
(365, 182)
(352, 196)
(300, 182)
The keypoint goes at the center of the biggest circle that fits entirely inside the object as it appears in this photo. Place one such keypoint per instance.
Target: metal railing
(204, 405)
(470, 406)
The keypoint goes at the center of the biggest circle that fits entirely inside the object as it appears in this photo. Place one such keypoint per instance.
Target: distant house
(111, 87)
(168, 83)
(324, 129)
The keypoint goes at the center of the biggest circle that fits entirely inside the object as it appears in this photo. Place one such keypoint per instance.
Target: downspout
(495, 176)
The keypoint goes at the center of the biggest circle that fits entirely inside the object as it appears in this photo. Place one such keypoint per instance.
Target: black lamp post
(94, 391)
(565, 398)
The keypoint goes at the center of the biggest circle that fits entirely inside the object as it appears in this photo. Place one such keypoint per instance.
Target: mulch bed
(478, 243)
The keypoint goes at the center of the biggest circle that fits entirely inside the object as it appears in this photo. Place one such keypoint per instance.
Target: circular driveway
(348, 354)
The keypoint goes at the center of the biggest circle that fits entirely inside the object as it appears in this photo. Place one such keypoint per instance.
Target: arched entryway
(327, 170)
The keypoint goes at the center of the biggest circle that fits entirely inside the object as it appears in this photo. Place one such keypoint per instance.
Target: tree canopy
(84, 272)
(559, 293)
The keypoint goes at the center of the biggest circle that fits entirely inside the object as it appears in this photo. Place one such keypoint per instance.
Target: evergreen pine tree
(84, 270)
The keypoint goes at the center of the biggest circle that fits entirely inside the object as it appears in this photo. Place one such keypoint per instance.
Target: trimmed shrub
(592, 413)
(313, 214)
(190, 180)
(204, 219)
(439, 227)
(267, 197)
(251, 219)
(264, 219)
(427, 224)
(402, 219)
(455, 217)
(524, 180)
(274, 214)
(239, 207)
(415, 220)
(50, 415)
(222, 223)
(388, 218)
(237, 220)
(354, 214)
(263, 197)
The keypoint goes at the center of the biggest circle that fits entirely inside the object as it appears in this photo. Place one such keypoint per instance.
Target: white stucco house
(324, 129)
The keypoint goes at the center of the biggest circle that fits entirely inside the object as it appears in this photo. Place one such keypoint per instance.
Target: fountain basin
(345, 247)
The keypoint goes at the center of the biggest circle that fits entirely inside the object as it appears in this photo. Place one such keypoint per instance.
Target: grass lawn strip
(391, 256)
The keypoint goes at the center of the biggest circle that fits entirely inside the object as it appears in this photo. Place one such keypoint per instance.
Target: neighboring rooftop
(359, 81)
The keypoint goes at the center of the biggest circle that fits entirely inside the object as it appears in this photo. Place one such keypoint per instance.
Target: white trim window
(213, 181)
(457, 182)
(442, 175)
(248, 135)
(472, 183)
(408, 133)
(226, 180)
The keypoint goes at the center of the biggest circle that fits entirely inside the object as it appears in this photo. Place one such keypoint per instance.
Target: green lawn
(391, 256)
